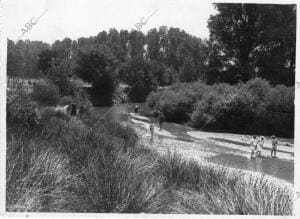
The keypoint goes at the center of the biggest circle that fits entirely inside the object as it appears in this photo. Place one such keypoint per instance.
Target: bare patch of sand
(196, 151)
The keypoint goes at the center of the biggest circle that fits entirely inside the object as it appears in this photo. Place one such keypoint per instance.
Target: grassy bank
(64, 164)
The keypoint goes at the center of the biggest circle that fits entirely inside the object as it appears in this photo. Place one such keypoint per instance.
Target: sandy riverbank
(164, 141)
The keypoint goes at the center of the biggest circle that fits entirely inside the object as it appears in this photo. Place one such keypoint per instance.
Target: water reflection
(282, 169)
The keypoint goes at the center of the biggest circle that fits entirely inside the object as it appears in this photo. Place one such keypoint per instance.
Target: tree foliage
(97, 66)
(249, 40)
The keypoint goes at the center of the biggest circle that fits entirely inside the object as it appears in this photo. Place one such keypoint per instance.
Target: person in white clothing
(253, 145)
(260, 145)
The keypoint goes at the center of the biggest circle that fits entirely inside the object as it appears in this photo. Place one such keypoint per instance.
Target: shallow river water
(221, 154)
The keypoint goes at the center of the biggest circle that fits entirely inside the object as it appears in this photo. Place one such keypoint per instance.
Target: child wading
(136, 108)
(253, 145)
(260, 145)
(161, 119)
(274, 146)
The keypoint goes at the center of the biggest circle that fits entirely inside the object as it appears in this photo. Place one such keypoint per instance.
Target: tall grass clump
(73, 165)
(215, 190)
(115, 183)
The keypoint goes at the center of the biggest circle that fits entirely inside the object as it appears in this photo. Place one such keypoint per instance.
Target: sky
(85, 18)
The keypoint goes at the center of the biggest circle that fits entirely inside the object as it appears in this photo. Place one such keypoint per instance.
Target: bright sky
(84, 18)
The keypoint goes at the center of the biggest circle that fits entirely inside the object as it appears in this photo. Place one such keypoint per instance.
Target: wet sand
(218, 150)
(237, 156)
(275, 167)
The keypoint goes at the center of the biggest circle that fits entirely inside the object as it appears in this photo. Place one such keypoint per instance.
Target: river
(235, 156)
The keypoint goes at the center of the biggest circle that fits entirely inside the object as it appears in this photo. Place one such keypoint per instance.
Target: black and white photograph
(149, 107)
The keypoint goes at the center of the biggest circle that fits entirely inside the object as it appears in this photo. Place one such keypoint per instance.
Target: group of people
(257, 145)
(161, 119)
(71, 109)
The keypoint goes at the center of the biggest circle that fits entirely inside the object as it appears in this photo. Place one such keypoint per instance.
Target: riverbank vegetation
(88, 163)
(255, 107)
(60, 163)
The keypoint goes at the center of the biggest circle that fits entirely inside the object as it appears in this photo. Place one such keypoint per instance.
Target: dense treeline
(254, 107)
(246, 41)
(23, 58)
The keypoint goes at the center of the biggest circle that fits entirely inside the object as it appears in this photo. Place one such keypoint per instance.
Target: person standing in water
(161, 119)
(253, 145)
(136, 108)
(260, 145)
(274, 145)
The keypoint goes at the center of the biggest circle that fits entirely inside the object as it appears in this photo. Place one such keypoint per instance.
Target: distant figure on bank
(274, 145)
(136, 108)
(161, 119)
(260, 145)
(151, 132)
(253, 145)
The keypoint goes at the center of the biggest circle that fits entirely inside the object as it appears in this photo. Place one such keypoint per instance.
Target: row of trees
(246, 41)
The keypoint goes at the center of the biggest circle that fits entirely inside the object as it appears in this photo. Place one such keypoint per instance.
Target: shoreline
(141, 130)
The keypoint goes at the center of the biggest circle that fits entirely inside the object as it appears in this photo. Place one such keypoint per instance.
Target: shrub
(45, 94)
(20, 111)
(177, 102)
(209, 109)
(58, 74)
(277, 112)
(253, 107)
(153, 100)
(174, 106)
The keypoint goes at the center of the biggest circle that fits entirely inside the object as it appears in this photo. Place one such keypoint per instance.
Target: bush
(153, 100)
(20, 111)
(277, 112)
(253, 107)
(45, 94)
(175, 106)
